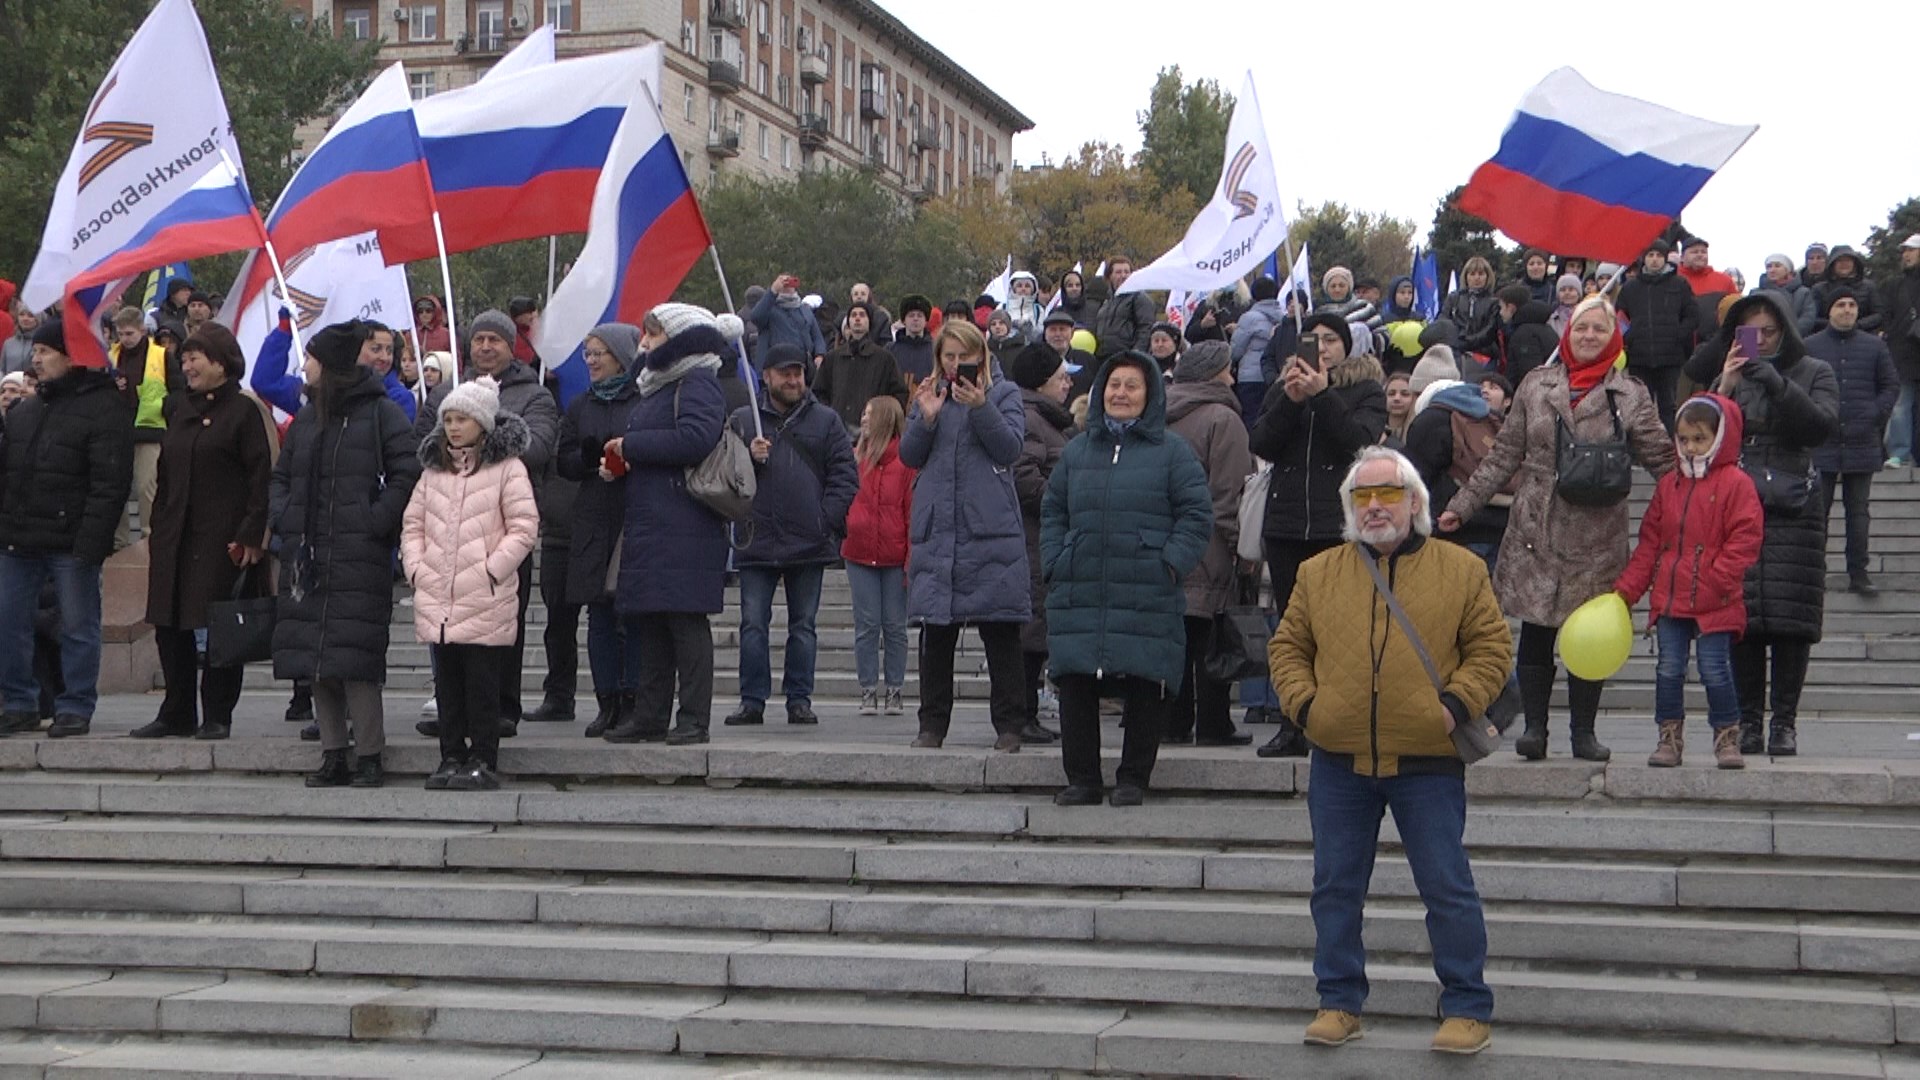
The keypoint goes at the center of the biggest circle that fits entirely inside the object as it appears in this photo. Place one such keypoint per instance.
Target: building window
(783, 87)
(765, 141)
(423, 22)
(786, 31)
(687, 96)
(786, 152)
(805, 41)
(763, 21)
(760, 78)
(846, 127)
(356, 24)
(687, 32)
(420, 84)
(946, 136)
(826, 53)
(560, 15)
(490, 25)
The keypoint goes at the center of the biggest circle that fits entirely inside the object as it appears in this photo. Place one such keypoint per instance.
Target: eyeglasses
(1384, 494)
(595, 354)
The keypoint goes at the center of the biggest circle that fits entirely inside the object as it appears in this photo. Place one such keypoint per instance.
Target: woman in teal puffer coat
(1126, 517)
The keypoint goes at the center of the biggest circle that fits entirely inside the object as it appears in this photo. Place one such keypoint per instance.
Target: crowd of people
(1087, 484)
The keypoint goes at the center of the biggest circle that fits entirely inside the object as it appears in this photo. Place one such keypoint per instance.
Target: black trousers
(1143, 716)
(674, 646)
(1661, 383)
(1856, 489)
(1789, 663)
(510, 665)
(468, 690)
(181, 667)
(1006, 672)
(561, 638)
(1205, 705)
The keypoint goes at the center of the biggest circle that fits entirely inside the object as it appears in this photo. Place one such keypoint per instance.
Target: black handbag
(240, 631)
(1593, 473)
(1780, 489)
(1238, 649)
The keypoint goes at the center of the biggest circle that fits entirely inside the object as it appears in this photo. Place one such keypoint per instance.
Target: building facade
(766, 88)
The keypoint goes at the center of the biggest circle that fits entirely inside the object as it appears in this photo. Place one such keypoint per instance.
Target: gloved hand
(1765, 374)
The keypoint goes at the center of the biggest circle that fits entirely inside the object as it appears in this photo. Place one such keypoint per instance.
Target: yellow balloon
(1083, 340)
(1405, 336)
(1597, 638)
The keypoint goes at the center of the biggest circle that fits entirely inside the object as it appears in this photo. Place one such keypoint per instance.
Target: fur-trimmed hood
(1355, 369)
(509, 439)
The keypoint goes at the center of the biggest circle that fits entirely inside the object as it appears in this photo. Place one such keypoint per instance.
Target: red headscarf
(1584, 377)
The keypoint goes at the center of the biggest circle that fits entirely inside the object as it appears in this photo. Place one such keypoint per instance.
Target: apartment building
(761, 87)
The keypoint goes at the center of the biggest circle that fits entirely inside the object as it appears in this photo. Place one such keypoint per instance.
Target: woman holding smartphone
(968, 564)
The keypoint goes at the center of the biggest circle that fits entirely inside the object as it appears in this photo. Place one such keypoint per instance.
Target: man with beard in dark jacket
(1663, 317)
(1901, 304)
(912, 347)
(66, 465)
(1056, 339)
(1868, 388)
(858, 370)
(806, 481)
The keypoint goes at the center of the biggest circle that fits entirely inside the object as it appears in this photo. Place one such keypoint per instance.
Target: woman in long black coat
(595, 417)
(1791, 404)
(209, 528)
(339, 490)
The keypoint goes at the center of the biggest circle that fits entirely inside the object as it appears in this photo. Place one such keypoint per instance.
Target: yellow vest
(152, 391)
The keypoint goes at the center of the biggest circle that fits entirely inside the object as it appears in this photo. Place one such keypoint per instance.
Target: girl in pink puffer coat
(471, 522)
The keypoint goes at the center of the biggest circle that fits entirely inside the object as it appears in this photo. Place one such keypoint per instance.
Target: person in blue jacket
(783, 318)
(1126, 517)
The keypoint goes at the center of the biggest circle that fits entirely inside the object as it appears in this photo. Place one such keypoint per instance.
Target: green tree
(1457, 236)
(1090, 208)
(275, 76)
(1371, 245)
(1183, 134)
(1883, 243)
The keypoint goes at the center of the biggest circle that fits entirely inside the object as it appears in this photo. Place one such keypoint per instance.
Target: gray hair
(1409, 479)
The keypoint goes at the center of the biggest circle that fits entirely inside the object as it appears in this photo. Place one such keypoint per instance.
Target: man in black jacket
(66, 465)
(1665, 317)
(1125, 320)
(1900, 308)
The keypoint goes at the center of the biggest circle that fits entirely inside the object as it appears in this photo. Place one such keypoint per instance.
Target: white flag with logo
(1300, 278)
(1000, 286)
(336, 282)
(1243, 223)
(156, 125)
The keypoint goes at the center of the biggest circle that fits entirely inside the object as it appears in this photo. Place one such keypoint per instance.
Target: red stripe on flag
(661, 259)
(1535, 215)
(177, 243)
(554, 203)
(356, 203)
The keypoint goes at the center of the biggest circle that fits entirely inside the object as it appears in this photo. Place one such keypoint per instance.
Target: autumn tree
(1371, 245)
(1183, 134)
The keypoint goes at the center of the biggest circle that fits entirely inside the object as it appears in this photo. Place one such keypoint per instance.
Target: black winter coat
(803, 492)
(674, 557)
(1049, 428)
(1476, 315)
(1791, 404)
(1856, 283)
(1663, 318)
(913, 356)
(1900, 313)
(1125, 322)
(1869, 386)
(66, 464)
(1311, 444)
(600, 506)
(215, 468)
(854, 373)
(1527, 343)
(338, 494)
(1430, 448)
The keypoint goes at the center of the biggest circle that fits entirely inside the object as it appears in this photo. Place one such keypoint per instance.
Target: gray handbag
(723, 482)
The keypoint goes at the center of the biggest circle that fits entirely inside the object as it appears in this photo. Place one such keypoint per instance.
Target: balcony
(986, 170)
(723, 76)
(485, 45)
(873, 104)
(814, 68)
(723, 142)
(926, 137)
(731, 14)
(814, 131)
(876, 155)
(924, 189)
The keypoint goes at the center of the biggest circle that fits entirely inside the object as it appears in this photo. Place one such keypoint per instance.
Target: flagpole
(279, 273)
(739, 345)
(446, 282)
(553, 256)
(1298, 316)
(1618, 272)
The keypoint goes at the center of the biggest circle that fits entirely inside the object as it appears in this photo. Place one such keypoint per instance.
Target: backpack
(1472, 441)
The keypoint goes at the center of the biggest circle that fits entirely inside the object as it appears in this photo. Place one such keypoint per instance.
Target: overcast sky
(1399, 102)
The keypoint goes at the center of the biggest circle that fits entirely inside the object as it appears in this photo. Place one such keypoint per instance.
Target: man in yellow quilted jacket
(1381, 737)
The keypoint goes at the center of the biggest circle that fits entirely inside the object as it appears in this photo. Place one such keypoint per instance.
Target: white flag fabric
(156, 126)
(335, 282)
(999, 287)
(1300, 278)
(1243, 223)
(536, 51)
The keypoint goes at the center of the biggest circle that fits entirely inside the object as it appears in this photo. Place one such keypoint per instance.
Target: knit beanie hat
(493, 321)
(1332, 322)
(478, 398)
(1435, 364)
(1812, 248)
(53, 334)
(730, 326)
(1326, 279)
(1202, 362)
(677, 319)
(1034, 366)
(621, 339)
(1570, 281)
(1834, 296)
(337, 347)
(1776, 257)
(1001, 315)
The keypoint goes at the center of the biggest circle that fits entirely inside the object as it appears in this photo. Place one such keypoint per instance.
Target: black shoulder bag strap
(1474, 739)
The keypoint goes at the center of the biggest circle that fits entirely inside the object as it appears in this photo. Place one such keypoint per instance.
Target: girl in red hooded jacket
(875, 551)
(1700, 534)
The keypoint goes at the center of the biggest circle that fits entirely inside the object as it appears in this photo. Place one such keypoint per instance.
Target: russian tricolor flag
(516, 155)
(1581, 171)
(646, 232)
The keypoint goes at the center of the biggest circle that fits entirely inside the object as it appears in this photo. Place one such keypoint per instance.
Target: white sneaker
(869, 702)
(430, 707)
(894, 707)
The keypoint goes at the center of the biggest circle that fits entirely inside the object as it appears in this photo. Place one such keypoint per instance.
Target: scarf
(652, 380)
(609, 388)
(789, 300)
(1584, 377)
(462, 459)
(1119, 427)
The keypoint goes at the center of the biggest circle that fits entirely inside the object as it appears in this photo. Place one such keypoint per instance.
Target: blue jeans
(1713, 654)
(879, 615)
(76, 584)
(1345, 809)
(756, 615)
(1900, 428)
(613, 650)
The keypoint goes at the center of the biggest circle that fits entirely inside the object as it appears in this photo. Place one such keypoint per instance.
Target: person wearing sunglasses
(1381, 734)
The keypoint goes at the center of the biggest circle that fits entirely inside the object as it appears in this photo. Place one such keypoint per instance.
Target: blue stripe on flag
(1569, 160)
(512, 157)
(383, 143)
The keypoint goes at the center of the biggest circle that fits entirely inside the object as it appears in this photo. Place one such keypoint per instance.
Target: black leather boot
(608, 715)
(1536, 694)
(1583, 701)
(333, 771)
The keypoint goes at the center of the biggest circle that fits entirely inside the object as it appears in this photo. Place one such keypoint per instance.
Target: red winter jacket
(1699, 537)
(877, 521)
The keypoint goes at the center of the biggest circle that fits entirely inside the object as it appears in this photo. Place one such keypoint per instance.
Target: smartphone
(1309, 351)
(1748, 338)
(967, 373)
